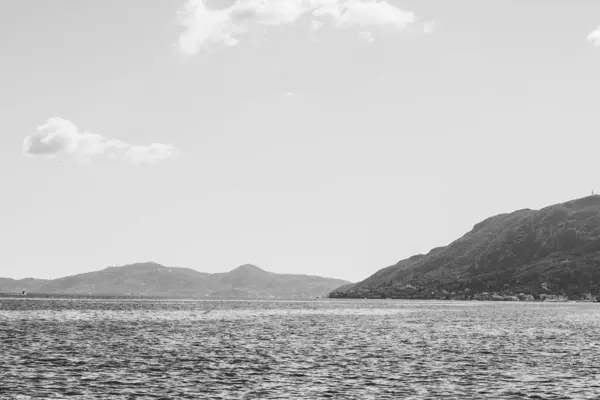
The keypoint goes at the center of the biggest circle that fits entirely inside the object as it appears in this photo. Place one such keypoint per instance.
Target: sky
(329, 137)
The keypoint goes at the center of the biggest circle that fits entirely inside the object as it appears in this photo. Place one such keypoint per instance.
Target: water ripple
(98, 349)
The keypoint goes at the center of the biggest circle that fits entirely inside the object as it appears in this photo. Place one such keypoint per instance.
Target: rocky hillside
(550, 253)
(151, 279)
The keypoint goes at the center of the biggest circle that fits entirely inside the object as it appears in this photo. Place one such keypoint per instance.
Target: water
(298, 350)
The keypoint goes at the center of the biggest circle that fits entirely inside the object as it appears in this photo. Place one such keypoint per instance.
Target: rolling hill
(151, 279)
(552, 252)
(8, 285)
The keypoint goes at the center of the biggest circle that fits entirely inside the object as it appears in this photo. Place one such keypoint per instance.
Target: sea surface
(332, 349)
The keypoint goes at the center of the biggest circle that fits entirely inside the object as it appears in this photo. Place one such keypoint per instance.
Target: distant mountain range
(151, 279)
(552, 253)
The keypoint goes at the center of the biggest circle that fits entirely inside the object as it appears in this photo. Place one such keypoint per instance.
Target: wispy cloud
(428, 26)
(315, 25)
(61, 137)
(227, 26)
(594, 37)
(368, 36)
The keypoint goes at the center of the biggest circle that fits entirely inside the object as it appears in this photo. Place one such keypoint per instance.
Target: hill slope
(553, 251)
(8, 285)
(151, 279)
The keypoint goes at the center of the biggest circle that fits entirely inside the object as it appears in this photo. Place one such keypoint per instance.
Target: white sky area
(330, 137)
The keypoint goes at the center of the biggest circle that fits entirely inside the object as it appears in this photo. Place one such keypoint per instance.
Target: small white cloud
(204, 25)
(150, 154)
(368, 36)
(594, 37)
(428, 26)
(316, 25)
(366, 13)
(61, 137)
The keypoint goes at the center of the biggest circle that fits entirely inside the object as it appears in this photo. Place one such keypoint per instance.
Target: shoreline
(39, 296)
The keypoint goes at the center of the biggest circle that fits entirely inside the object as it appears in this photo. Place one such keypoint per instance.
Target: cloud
(315, 25)
(150, 154)
(61, 137)
(594, 37)
(368, 36)
(204, 25)
(428, 26)
(364, 13)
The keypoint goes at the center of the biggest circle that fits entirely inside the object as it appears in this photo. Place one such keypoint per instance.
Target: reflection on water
(298, 350)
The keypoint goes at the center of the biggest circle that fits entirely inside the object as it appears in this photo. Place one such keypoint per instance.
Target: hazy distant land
(154, 280)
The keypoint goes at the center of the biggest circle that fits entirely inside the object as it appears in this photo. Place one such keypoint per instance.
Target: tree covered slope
(554, 251)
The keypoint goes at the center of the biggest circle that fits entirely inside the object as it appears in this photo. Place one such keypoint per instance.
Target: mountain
(151, 279)
(553, 252)
(8, 285)
(259, 283)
